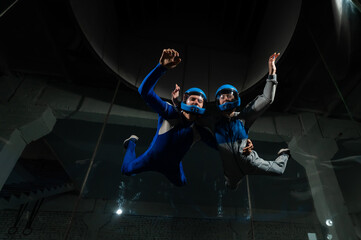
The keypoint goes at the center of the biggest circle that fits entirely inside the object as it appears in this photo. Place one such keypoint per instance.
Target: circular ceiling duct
(219, 42)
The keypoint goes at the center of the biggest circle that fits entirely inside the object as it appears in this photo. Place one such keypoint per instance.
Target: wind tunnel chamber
(220, 42)
(58, 71)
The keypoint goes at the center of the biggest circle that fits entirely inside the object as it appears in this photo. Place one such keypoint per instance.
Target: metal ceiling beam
(8, 8)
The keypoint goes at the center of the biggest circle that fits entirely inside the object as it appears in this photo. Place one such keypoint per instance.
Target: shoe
(284, 151)
(133, 138)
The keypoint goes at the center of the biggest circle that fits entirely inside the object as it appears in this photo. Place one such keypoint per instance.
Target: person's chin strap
(229, 105)
(192, 108)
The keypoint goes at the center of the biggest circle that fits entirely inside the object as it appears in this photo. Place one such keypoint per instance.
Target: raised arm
(169, 59)
(256, 107)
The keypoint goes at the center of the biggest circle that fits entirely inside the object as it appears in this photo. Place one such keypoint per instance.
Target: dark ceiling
(319, 71)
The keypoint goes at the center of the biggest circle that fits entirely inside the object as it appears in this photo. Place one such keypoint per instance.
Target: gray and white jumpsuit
(231, 136)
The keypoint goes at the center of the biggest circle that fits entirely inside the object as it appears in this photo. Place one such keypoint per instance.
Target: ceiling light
(119, 211)
(329, 222)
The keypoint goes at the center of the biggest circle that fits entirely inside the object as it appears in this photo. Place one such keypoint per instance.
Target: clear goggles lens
(228, 95)
(193, 98)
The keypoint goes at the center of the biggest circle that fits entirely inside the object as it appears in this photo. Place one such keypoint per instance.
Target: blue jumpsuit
(232, 133)
(175, 135)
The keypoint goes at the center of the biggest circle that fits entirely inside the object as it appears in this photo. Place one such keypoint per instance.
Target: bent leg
(259, 166)
(131, 164)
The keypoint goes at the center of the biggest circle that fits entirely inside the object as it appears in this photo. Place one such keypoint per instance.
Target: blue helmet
(193, 108)
(228, 89)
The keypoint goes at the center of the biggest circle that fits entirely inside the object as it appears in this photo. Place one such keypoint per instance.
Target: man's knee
(278, 169)
(278, 172)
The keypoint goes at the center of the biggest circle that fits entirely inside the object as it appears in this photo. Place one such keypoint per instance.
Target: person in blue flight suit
(231, 132)
(176, 131)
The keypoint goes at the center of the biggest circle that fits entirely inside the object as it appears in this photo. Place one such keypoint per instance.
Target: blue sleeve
(146, 90)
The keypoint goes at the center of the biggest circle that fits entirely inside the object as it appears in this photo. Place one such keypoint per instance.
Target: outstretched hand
(175, 95)
(271, 63)
(170, 58)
